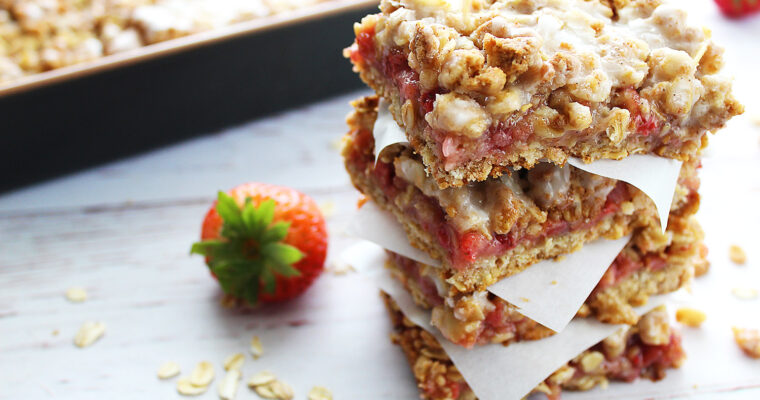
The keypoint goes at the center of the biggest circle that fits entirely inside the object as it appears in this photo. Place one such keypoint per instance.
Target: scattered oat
(168, 370)
(341, 268)
(203, 374)
(262, 378)
(256, 349)
(229, 384)
(327, 208)
(55, 332)
(282, 390)
(265, 391)
(76, 295)
(744, 293)
(89, 333)
(554, 282)
(320, 393)
(185, 388)
(748, 340)
(690, 317)
(737, 254)
(525, 299)
(234, 361)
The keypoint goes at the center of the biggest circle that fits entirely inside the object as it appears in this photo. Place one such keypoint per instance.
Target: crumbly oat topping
(748, 340)
(439, 379)
(654, 328)
(690, 316)
(487, 84)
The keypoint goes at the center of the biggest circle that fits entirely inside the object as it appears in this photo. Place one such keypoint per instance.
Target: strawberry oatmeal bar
(486, 231)
(504, 84)
(645, 350)
(480, 317)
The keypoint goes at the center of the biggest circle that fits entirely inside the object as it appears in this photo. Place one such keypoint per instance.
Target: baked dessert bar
(40, 35)
(645, 350)
(485, 231)
(480, 317)
(500, 84)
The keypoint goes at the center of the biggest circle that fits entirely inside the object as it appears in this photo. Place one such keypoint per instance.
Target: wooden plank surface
(123, 231)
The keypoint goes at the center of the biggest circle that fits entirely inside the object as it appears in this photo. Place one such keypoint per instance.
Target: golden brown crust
(606, 90)
(438, 378)
(461, 317)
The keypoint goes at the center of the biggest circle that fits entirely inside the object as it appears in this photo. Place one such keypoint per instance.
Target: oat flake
(89, 333)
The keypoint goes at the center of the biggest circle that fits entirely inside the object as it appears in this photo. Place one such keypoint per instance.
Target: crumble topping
(518, 198)
(485, 85)
(748, 340)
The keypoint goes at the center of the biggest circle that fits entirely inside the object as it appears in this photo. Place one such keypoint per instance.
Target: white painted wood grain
(123, 231)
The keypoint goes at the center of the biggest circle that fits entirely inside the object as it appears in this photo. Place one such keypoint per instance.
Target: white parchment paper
(386, 131)
(551, 292)
(494, 372)
(655, 176)
(548, 292)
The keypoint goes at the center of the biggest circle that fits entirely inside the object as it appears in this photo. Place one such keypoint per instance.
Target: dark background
(60, 128)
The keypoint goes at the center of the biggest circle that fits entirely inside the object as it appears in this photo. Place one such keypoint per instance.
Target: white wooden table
(123, 231)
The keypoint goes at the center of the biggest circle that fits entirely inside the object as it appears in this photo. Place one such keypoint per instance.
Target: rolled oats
(89, 333)
(261, 378)
(203, 374)
(737, 254)
(76, 295)
(234, 361)
(744, 293)
(319, 393)
(282, 390)
(186, 388)
(229, 384)
(168, 370)
(256, 349)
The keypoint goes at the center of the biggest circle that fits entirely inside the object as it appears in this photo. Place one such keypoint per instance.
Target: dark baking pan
(78, 116)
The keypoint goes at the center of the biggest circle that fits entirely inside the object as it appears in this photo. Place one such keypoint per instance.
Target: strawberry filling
(464, 248)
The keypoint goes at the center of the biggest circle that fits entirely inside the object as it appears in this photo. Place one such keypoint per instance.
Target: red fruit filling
(463, 248)
(496, 322)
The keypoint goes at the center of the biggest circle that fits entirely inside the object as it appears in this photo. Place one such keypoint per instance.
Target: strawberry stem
(250, 252)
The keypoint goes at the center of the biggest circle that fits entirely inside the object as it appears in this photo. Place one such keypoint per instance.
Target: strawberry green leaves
(249, 253)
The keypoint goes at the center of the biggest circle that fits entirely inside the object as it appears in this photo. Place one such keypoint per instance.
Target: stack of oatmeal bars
(495, 98)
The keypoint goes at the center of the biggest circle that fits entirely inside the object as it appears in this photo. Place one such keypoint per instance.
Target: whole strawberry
(263, 242)
(738, 8)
